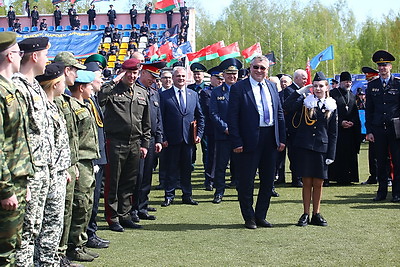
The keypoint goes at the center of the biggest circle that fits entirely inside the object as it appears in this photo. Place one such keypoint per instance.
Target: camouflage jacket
(39, 124)
(15, 156)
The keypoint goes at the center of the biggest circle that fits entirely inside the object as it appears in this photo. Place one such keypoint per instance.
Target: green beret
(97, 58)
(7, 39)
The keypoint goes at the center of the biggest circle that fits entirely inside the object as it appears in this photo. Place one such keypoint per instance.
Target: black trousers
(264, 159)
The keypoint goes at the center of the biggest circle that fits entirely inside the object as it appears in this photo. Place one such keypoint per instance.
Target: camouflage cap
(69, 60)
(7, 39)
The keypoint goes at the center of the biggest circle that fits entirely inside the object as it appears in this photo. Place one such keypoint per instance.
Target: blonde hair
(48, 85)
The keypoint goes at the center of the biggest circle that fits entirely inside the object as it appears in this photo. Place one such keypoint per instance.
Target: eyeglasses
(259, 67)
(20, 53)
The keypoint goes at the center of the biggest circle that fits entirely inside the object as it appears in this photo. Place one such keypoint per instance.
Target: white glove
(304, 90)
(96, 168)
(329, 161)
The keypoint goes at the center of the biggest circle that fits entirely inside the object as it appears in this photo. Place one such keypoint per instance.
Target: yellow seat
(110, 65)
(124, 45)
(122, 52)
(106, 46)
(121, 58)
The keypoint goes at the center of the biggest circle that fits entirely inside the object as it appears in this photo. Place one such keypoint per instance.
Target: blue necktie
(264, 104)
(181, 102)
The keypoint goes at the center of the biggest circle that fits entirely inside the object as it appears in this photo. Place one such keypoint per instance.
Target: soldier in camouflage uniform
(53, 83)
(33, 63)
(88, 151)
(16, 162)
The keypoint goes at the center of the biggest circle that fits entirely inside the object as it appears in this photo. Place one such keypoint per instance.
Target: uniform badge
(10, 98)
(375, 90)
(36, 98)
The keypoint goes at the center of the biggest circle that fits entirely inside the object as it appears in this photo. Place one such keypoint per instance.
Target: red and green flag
(165, 52)
(165, 5)
(251, 52)
(197, 56)
(229, 51)
(152, 53)
(212, 50)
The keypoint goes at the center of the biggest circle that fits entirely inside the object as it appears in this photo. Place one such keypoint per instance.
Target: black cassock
(344, 169)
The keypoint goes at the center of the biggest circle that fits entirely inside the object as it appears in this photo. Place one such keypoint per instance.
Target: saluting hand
(119, 77)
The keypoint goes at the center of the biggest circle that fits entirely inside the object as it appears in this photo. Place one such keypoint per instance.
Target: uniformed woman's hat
(230, 65)
(382, 57)
(52, 71)
(85, 76)
(154, 68)
(7, 39)
(345, 76)
(131, 64)
(215, 71)
(198, 67)
(34, 44)
(97, 58)
(319, 76)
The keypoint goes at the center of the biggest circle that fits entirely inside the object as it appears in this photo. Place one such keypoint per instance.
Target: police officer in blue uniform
(198, 70)
(382, 119)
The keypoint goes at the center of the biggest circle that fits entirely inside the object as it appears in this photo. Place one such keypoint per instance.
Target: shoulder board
(79, 111)
(10, 98)
(396, 78)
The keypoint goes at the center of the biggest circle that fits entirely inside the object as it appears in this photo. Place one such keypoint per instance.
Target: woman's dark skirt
(310, 163)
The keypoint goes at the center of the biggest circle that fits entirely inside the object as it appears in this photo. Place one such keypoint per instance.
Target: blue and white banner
(80, 43)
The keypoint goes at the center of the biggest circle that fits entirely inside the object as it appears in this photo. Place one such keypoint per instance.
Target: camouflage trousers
(39, 187)
(46, 244)
(11, 225)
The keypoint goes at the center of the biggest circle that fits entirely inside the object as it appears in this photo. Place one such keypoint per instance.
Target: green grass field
(360, 232)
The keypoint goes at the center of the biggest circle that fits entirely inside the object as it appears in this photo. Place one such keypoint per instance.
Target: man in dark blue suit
(219, 114)
(257, 132)
(179, 108)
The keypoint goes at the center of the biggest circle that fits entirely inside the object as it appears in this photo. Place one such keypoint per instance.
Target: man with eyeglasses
(17, 162)
(257, 132)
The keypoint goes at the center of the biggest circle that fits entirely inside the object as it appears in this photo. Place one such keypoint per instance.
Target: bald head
(138, 56)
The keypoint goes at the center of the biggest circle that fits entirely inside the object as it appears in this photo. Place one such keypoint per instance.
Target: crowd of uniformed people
(66, 135)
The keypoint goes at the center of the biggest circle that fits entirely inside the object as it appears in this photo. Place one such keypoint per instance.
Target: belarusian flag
(165, 5)
(212, 50)
(251, 52)
(152, 53)
(229, 51)
(165, 51)
(308, 70)
(197, 56)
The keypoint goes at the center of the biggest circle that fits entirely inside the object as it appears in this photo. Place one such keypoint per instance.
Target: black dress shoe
(371, 180)
(167, 202)
(146, 216)
(379, 198)
(94, 243)
(130, 224)
(116, 227)
(217, 199)
(209, 188)
(396, 199)
(318, 220)
(274, 193)
(151, 208)
(101, 239)
(263, 223)
(304, 220)
(250, 224)
(134, 216)
(189, 201)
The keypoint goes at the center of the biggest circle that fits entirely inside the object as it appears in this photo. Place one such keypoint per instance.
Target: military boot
(78, 254)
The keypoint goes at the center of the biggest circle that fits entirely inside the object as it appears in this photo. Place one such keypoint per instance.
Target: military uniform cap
(7, 39)
(382, 57)
(34, 44)
(154, 68)
(85, 76)
(368, 70)
(52, 71)
(334, 81)
(97, 58)
(230, 65)
(280, 75)
(131, 64)
(345, 76)
(319, 76)
(215, 71)
(69, 60)
(243, 73)
(198, 67)
(92, 66)
(178, 64)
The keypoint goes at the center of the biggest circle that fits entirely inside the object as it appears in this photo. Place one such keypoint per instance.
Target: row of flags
(167, 5)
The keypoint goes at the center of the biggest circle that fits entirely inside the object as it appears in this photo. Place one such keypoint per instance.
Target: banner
(165, 5)
(271, 58)
(327, 54)
(80, 43)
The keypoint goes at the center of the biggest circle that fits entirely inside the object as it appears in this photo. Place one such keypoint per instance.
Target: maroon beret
(131, 64)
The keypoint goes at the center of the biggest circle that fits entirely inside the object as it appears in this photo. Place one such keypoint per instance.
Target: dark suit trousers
(208, 148)
(264, 159)
(92, 227)
(179, 164)
(223, 151)
(121, 177)
(385, 142)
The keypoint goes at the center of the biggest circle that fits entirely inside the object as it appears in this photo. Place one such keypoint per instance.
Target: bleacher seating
(93, 28)
(142, 45)
(68, 28)
(1, 29)
(59, 28)
(107, 40)
(154, 32)
(122, 51)
(137, 26)
(85, 28)
(153, 27)
(110, 64)
(160, 33)
(10, 29)
(106, 46)
(34, 29)
(102, 27)
(143, 39)
(128, 27)
(124, 45)
(50, 28)
(121, 57)
(163, 26)
(120, 27)
(25, 29)
(112, 58)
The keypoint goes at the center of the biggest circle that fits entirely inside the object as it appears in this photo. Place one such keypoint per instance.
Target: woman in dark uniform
(314, 143)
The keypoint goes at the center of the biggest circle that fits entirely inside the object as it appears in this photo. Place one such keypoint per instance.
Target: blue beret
(85, 76)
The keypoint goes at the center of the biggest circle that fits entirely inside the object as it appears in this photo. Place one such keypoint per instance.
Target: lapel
(171, 91)
(271, 92)
(249, 92)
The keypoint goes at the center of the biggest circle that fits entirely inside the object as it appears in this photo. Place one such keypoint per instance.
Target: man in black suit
(35, 16)
(91, 15)
(57, 16)
(170, 14)
(257, 131)
(180, 107)
(11, 16)
(72, 15)
(148, 9)
(133, 15)
(112, 15)
(382, 112)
